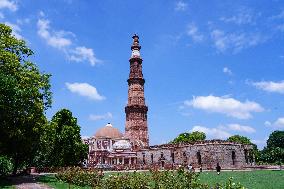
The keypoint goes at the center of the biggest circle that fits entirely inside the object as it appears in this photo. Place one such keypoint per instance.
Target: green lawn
(51, 181)
(250, 179)
(263, 179)
(6, 184)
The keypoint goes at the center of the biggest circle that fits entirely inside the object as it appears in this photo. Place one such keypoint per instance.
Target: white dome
(122, 145)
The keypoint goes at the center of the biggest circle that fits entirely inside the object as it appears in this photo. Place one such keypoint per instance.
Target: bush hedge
(6, 166)
(139, 180)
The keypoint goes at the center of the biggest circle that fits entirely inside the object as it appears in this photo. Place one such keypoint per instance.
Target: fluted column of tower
(136, 128)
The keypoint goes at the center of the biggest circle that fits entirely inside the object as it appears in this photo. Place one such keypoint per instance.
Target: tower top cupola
(135, 48)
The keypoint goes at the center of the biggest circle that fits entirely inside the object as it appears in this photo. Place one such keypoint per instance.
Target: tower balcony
(136, 108)
(140, 81)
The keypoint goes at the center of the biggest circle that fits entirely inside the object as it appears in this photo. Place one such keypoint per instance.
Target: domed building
(108, 146)
(108, 131)
(132, 150)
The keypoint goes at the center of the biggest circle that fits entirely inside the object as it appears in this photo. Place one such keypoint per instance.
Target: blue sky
(213, 66)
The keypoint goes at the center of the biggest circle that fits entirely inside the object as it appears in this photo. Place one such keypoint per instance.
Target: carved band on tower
(136, 128)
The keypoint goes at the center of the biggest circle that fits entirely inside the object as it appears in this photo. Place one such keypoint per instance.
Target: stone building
(205, 154)
(109, 146)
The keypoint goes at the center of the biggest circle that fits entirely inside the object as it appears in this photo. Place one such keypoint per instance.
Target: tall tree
(274, 151)
(189, 137)
(61, 143)
(24, 96)
(239, 139)
(276, 139)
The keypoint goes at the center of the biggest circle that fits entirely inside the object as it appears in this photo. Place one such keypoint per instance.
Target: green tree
(239, 139)
(61, 143)
(189, 137)
(274, 152)
(24, 96)
(6, 166)
(276, 139)
(44, 156)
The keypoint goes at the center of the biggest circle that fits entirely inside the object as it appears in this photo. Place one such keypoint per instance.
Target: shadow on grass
(12, 181)
(6, 183)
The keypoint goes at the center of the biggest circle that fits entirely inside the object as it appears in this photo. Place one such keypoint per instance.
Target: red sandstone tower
(136, 128)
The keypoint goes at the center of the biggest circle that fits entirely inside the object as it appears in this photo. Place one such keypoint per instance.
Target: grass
(6, 184)
(51, 181)
(263, 179)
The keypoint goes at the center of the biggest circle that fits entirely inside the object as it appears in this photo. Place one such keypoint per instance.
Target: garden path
(32, 186)
(28, 182)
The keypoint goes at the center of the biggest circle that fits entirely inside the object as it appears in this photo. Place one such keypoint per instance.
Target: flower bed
(138, 180)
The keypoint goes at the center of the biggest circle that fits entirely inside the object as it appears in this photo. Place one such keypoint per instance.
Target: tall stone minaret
(136, 128)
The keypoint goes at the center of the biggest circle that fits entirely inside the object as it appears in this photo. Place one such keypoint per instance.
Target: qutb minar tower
(136, 128)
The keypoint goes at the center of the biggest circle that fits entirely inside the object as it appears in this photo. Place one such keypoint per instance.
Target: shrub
(139, 180)
(6, 166)
(80, 177)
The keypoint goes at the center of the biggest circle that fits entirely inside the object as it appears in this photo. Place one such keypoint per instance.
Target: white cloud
(227, 71)
(93, 117)
(181, 6)
(279, 123)
(260, 143)
(267, 123)
(11, 5)
(23, 21)
(222, 132)
(62, 40)
(235, 41)
(55, 39)
(193, 32)
(241, 128)
(41, 14)
(80, 54)
(225, 105)
(85, 89)
(68, 1)
(213, 133)
(84, 137)
(15, 30)
(280, 27)
(243, 16)
(270, 86)
(278, 16)
(2, 15)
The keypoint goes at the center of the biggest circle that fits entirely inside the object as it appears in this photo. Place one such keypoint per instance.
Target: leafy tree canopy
(24, 96)
(276, 139)
(274, 152)
(61, 143)
(239, 139)
(189, 137)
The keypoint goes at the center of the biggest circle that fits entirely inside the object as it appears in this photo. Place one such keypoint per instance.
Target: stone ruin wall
(211, 153)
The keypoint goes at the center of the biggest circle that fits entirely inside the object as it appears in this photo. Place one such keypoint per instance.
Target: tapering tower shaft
(136, 128)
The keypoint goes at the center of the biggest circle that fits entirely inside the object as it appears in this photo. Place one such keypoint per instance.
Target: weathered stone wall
(203, 154)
